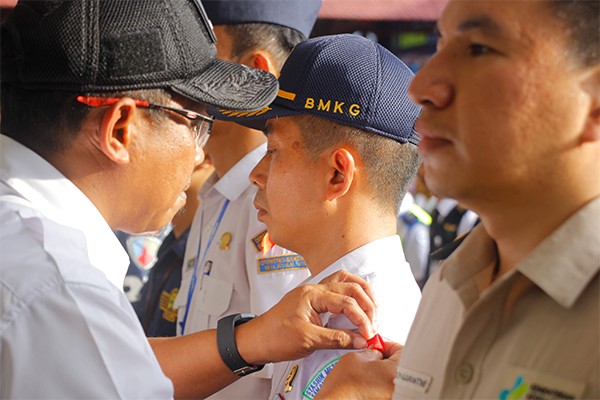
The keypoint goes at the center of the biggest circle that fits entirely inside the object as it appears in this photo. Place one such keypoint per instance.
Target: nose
(258, 175)
(431, 86)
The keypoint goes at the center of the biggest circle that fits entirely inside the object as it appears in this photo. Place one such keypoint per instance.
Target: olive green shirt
(466, 345)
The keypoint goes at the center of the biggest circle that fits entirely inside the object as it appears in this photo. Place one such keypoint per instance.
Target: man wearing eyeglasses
(102, 103)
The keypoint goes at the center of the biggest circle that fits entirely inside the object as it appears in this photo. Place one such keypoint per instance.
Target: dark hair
(48, 121)
(390, 165)
(581, 18)
(278, 40)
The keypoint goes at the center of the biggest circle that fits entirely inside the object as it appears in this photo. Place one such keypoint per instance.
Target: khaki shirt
(462, 345)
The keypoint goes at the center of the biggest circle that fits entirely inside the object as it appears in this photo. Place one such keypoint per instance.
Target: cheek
(498, 120)
(284, 187)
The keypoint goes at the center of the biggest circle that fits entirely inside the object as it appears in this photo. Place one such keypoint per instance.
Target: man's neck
(519, 229)
(334, 243)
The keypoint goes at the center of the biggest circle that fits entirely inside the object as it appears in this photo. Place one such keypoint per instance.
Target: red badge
(375, 343)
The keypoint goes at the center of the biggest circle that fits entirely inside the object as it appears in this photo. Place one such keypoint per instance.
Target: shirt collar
(567, 260)
(364, 260)
(562, 265)
(58, 199)
(476, 252)
(236, 180)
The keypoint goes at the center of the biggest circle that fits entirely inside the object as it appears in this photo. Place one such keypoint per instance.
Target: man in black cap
(341, 155)
(231, 269)
(102, 102)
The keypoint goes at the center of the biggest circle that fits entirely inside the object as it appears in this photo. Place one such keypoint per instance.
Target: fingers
(328, 338)
(367, 355)
(392, 350)
(345, 276)
(348, 299)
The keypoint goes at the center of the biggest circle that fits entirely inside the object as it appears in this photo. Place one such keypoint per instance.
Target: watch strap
(228, 348)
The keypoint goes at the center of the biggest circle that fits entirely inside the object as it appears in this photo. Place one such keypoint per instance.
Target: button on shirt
(467, 345)
(238, 274)
(382, 264)
(66, 328)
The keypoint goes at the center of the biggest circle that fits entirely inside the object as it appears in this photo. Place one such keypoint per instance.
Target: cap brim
(252, 119)
(227, 85)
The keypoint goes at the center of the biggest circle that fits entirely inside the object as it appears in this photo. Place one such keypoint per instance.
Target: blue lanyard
(194, 276)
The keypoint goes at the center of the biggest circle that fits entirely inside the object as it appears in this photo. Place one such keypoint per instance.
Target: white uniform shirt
(236, 275)
(382, 264)
(66, 328)
(467, 345)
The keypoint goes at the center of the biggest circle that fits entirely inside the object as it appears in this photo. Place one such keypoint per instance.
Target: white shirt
(66, 328)
(382, 264)
(236, 275)
(468, 345)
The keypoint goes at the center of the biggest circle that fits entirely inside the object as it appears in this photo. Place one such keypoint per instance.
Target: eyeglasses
(200, 124)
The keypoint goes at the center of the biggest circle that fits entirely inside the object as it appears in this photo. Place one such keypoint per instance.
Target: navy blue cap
(344, 78)
(296, 14)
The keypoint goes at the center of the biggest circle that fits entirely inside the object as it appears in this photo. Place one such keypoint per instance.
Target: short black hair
(277, 39)
(48, 121)
(390, 165)
(581, 18)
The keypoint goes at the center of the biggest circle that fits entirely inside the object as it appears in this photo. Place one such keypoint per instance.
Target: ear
(591, 85)
(261, 60)
(115, 134)
(342, 166)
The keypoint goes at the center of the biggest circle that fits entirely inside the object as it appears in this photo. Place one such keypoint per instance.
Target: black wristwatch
(227, 347)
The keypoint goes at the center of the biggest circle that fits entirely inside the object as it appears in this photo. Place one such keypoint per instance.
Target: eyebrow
(483, 23)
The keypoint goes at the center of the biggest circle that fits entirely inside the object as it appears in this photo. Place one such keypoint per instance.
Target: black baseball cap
(116, 45)
(300, 15)
(344, 78)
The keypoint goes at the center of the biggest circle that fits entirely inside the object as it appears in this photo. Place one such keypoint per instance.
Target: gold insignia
(225, 241)
(290, 378)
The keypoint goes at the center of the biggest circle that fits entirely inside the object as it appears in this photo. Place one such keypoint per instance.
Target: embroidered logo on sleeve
(280, 263)
(316, 382)
(412, 380)
(526, 384)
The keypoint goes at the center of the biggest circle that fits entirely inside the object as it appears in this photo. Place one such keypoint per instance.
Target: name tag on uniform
(525, 384)
(280, 263)
(413, 380)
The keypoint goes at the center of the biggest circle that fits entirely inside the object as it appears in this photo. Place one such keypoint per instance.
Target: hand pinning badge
(225, 241)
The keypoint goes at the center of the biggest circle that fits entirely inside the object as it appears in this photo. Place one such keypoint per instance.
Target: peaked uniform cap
(117, 45)
(344, 78)
(300, 15)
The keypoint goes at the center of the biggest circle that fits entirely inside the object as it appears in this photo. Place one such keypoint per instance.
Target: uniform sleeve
(84, 341)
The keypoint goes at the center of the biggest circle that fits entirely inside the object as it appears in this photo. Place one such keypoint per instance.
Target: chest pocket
(214, 297)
